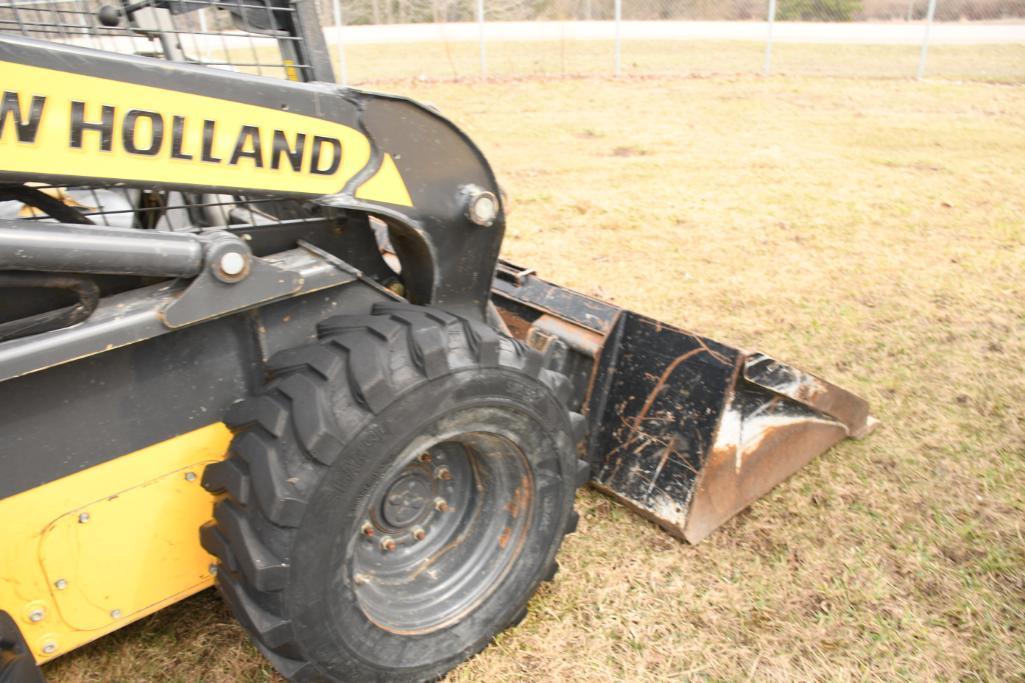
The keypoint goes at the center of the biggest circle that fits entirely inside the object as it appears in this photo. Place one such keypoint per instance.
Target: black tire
(334, 439)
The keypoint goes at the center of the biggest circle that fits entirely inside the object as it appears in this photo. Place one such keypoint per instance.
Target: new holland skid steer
(255, 332)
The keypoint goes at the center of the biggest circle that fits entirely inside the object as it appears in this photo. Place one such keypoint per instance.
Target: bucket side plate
(657, 400)
(684, 430)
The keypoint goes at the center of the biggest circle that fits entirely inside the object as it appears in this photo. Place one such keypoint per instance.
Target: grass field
(870, 230)
(434, 61)
(988, 63)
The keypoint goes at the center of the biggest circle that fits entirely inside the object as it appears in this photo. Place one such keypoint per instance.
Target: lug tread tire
(269, 630)
(572, 522)
(214, 543)
(317, 398)
(231, 476)
(260, 410)
(583, 473)
(268, 478)
(261, 567)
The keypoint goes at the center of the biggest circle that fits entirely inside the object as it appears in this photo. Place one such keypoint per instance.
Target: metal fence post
(343, 71)
(767, 64)
(925, 39)
(204, 29)
(619, 38)
(483, 54)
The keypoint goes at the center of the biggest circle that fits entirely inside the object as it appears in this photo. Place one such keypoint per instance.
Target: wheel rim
(437, 536)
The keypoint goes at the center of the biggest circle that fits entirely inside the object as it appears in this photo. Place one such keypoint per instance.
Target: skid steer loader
(255, 332)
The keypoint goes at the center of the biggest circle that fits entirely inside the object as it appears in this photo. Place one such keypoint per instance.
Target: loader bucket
(684, 430)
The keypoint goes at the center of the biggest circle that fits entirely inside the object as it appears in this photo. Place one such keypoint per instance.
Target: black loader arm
(75, 115)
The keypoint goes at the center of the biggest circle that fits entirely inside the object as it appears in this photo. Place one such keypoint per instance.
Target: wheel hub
(408, 500)
(440, 532)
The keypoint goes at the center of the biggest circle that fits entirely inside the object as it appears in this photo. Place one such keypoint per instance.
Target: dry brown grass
(869, 230)
(994, 63)
(695, 58)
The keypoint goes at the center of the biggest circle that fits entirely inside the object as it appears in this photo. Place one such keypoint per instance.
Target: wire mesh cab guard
(272, 38)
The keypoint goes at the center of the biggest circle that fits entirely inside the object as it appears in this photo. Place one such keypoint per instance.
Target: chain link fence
(385, 40)
(439, 39)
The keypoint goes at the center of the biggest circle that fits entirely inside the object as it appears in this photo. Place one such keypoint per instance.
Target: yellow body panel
(93, 551)
(158, 135)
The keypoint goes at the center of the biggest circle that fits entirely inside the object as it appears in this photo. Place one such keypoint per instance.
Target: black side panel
(16, 662)
(71, 417)
(74, 416)
(293, 322)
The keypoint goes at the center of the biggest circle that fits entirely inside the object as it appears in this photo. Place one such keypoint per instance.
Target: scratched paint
(684, 430)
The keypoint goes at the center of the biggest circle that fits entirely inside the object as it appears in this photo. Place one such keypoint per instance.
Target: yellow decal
(385, 186)
(53, 122)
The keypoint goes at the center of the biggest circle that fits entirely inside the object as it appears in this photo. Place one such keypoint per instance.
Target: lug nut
(387, 545)
(419, 534)
(367, 529)
(36, 615)
(49, 647)
(441, 505)
(443, 473)
(424, 457)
